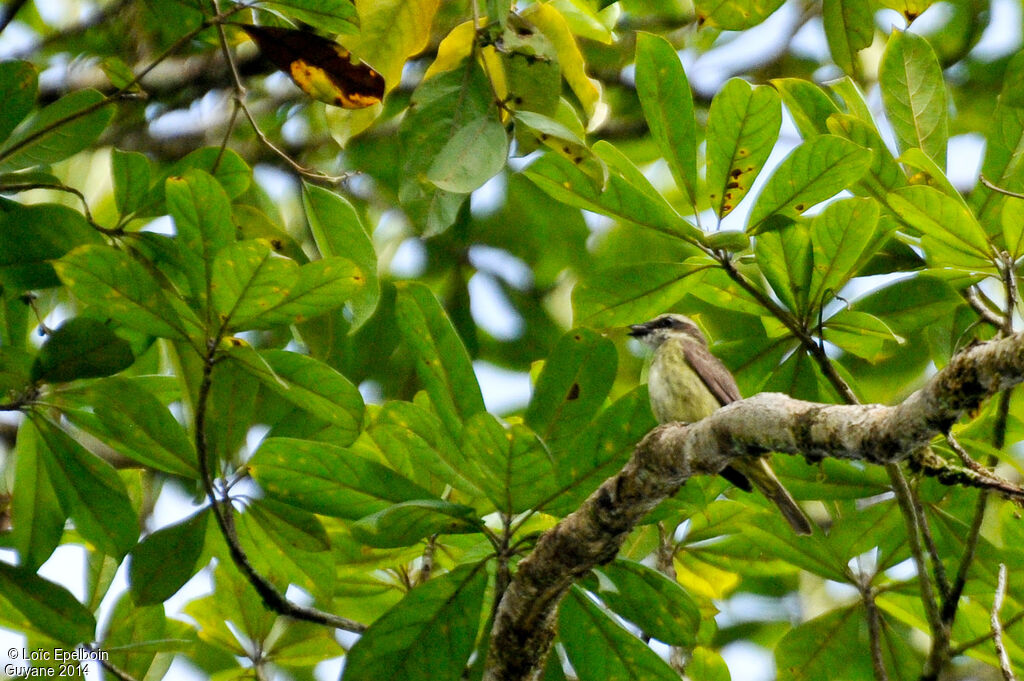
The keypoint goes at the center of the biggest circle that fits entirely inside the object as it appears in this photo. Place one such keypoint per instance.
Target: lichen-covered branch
(672, 453)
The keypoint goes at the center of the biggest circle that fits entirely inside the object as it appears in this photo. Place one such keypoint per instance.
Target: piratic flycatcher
(686, 383)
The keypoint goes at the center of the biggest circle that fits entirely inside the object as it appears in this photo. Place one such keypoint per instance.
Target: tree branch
(671, 453)
(997, 627)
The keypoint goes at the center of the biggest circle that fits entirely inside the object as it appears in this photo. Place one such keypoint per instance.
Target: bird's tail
(763, 477)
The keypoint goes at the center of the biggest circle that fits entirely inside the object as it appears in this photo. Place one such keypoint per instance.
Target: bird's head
(665, 327)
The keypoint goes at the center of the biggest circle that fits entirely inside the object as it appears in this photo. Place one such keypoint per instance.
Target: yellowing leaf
(588, 90)
(322, 68)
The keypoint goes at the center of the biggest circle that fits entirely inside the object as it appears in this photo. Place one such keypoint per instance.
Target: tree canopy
(271, 257)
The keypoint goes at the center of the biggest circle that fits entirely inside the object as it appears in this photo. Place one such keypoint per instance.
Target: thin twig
(295, 165)
(940, 634)
(664, 562)
(874, 633)
(965, 458)
(987, 314)
(810, 345)
(997, 627)
(997, 188)
(240, 92)
(224, 514)
(112, 668)
(941, 579)
(975, 642)
(26, 186)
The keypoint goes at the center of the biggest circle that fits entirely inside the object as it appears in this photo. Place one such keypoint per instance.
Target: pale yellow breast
(677, 392)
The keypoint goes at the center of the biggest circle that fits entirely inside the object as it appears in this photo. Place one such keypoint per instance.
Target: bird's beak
(638, 330)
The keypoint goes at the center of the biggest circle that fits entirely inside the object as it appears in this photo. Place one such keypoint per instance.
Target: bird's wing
(714, 374)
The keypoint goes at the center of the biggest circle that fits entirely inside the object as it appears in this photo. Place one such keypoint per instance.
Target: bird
(686, 382)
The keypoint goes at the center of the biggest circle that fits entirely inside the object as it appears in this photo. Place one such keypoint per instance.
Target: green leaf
(330, 16)
(427, 636)
(817, 169)
(573, 385)
(707, 665)
(884, 175)
(734, 15)
(131, 635)
(124, 290)
(134, 422)
(18, 85)
(840, 236)
(474, 153)
(414, 441)
(728, 239)
(225, 165)
(62, 129)
(81, 348)
(530, 64)
(33, 236)
(818, 647)
(327, 479)
(650, 600)
(914, 94)
(1004, 161)
(629, 294)
(300, 529)
(231, 407)
(15, 369)
(303, 644)
(664, 93)
(253, 223)
(743, 126)
(339, 231)
(202, 217)
(310, 384)
(415, 457)
(50, 608)
(119, 74)
(807, 103)
(861, 334)
(929, 173)
(910, 305)
(166, 559)
(518, 470)
(848, 93)
(600, 449)
(563, 181)
(784, 257)
(322, 286)
(37, 520)
(1012, 221)
(442, 362)
(599, 648)
(849, 28)
(559, 138)
(90, 491)
(951, 235)
(288, 545)
(248, 279)
(441, 106)
(131, 172)
(406, 523)
(772, 536)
